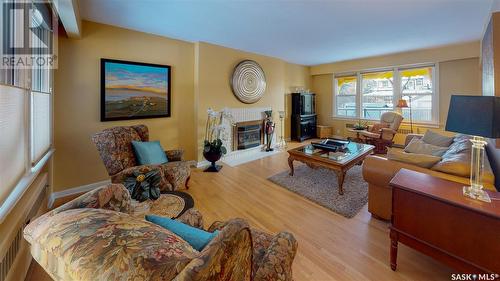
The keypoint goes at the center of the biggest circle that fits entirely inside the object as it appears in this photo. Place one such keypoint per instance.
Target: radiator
(9, 258)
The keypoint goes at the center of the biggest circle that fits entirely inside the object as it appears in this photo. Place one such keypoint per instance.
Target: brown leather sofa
(378, 172)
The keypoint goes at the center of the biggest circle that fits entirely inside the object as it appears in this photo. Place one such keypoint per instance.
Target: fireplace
(248, 134)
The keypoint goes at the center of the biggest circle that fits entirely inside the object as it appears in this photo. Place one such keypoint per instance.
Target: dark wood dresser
(432, 216)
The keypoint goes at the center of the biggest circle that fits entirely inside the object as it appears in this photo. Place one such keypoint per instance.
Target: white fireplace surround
(248, 114)
(233, 158)
(240, 115)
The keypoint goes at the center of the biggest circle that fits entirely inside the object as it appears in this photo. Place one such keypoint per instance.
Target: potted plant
(360, 125)
(213, 148)
(213, 151)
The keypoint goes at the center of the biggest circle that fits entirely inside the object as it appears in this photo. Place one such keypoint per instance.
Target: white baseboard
(75, 190)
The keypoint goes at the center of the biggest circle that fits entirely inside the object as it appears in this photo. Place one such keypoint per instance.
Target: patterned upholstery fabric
(94, 238)
(114, 146)
(113, 197)
(116, 197)
(272, 255)
(97, 244)
(192, 217)
(227, 257)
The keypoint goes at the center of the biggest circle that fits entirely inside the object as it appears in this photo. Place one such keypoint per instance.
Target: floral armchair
(97, 237)
(115, 148)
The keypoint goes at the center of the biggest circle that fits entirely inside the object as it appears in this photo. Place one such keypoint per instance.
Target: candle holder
(282, 142)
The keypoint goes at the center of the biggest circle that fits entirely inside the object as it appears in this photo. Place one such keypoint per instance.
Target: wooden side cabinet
(324, 132)
(432, 216)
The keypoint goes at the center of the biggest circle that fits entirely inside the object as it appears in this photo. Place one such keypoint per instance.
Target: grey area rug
(320, 185)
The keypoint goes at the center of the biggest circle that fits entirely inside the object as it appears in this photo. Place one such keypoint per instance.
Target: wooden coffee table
(340, 164)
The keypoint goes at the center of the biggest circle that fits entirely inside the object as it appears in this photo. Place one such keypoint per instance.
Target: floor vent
(10, 256)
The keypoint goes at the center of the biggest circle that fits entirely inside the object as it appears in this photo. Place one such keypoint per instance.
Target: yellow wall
(200, 79)
(296, 76)
(446, 53)
(77, 98)
(215, 66)
(460, 75)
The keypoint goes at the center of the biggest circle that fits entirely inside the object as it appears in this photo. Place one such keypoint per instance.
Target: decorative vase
(212, 157)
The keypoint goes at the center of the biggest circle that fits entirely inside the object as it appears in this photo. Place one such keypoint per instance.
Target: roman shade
(13, 149)
(41, 123)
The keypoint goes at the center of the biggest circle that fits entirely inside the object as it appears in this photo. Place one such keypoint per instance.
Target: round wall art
(248, 81)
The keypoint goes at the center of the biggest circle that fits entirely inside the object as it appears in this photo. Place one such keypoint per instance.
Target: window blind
(13, 148)
(40, 125)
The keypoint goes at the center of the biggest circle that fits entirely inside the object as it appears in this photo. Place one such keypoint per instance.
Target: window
(41, 23)
(368, 94)
(25, 100)
(419, 95)
(377, 94)
(346, 96)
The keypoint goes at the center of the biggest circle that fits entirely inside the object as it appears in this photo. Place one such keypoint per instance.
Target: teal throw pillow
(197, 238)
(149, 153)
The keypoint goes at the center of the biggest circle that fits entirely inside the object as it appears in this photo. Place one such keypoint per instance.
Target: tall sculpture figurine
(269, 126)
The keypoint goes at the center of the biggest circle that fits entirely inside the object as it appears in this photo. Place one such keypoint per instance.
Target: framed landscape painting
(133, 90)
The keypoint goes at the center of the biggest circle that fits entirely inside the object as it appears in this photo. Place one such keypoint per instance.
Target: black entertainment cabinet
(304, 117)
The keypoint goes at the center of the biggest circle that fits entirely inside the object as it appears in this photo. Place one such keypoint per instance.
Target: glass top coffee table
(339, 162)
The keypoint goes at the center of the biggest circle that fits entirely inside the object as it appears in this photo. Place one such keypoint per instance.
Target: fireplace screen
(248, 135)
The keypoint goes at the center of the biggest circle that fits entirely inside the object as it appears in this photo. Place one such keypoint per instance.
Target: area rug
(171, 204)
(320, 185)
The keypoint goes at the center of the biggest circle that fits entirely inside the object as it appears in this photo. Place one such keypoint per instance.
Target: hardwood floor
(331, 247)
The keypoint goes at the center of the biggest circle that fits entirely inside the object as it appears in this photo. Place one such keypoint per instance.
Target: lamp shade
(402, 104)
(474, 115)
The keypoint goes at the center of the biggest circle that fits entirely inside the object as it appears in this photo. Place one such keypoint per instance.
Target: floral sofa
(96, 237)
(115, 147)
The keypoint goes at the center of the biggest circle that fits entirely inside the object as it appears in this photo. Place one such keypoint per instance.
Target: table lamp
(403, 104)
(478, 116)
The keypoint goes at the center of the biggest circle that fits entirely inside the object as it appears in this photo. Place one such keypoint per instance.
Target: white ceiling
(306, 32)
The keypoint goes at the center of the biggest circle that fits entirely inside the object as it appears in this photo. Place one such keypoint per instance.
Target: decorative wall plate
(248, 82)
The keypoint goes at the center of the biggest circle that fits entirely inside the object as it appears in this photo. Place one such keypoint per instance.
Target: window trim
(397, 94)
(24, 183)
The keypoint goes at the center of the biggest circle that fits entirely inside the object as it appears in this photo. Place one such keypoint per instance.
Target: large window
(377, 94)
(368, 94)
(346, 96)
(25, 100)
(417, 89)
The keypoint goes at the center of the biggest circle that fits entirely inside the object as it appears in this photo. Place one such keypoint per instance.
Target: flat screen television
(307, 104)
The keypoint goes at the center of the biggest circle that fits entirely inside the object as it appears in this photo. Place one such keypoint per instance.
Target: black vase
(213, 157)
